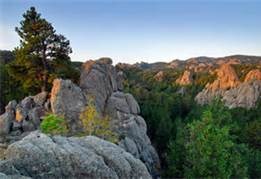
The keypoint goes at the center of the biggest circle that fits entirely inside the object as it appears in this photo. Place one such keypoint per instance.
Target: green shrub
(53, 124)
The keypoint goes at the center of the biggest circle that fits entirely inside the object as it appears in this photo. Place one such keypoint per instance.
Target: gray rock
(67, 100)
(244, 95)
(40, 98)
(27, 103)
(40, 156)
(28, 126)
(98, 80)
(6, 122)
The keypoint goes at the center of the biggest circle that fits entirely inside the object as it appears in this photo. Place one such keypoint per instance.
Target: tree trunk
(45, 72)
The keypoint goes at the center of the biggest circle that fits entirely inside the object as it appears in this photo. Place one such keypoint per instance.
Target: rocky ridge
(231, 91)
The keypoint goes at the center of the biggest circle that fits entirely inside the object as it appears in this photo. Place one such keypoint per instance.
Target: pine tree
(40, 54)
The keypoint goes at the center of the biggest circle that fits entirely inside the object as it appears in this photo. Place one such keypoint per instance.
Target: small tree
(93, 124)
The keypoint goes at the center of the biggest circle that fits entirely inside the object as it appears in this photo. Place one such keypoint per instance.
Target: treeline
(196, 141)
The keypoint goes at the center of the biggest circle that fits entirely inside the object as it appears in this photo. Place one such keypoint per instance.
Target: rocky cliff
(41, 156)
(231, 91)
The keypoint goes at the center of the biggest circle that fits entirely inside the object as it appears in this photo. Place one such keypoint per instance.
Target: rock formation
(186, 78)
(21, 118)
(101, 81)
(41, 156)
(67, 100)
(253, 75)
(226, 79)
(231, 91)
(159, 76)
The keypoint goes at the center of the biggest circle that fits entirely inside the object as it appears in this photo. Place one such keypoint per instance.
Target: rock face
(253, 75)
(100, 81)
(186, 78)
(231, 91)
(159, 76)
(67, 100)
(21, 118)
(245, 95)
(40, 156)
(226, 79)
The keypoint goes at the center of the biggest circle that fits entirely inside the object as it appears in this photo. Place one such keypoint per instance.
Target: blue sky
(132, 31)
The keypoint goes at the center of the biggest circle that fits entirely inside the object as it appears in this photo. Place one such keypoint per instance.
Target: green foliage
(211, 152)
(42, 55)
(53, 124)
(233, 133)
(94, 124)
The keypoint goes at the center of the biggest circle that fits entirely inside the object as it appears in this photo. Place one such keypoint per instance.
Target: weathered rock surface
(67, 100)
(159, 76)
(231, 91)
(40, 156)
(99, 80)
(226, 79)
(245, 95)
(253, 75)
(186, 78)
(21, 118)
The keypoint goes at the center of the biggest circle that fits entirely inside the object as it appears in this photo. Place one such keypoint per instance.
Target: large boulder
(68, 100)
(41, 156)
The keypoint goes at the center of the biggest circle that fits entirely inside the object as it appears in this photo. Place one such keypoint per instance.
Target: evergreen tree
(40, 54)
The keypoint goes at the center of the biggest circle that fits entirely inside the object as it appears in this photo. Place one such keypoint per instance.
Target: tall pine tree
(42, 54)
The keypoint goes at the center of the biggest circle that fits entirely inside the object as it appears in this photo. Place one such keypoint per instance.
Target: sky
(131, 31)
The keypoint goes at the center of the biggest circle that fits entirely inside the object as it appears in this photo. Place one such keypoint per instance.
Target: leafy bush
(93, 124)
(53, 124)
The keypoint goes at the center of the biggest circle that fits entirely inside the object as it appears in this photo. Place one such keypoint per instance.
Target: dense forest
(196, 141)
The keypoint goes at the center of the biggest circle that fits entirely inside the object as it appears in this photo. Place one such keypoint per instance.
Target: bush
(53, 124)
(95, 125)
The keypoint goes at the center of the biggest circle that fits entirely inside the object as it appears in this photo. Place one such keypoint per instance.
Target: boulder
(68, 100)
(40, 156)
